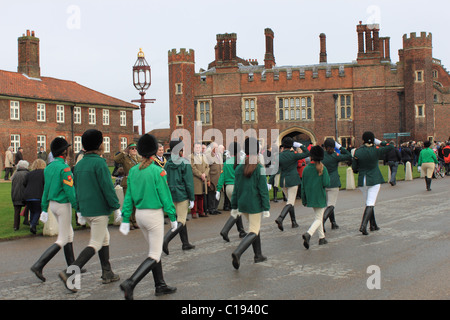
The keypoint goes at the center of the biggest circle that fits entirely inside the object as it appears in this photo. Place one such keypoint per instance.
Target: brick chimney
(323, 48)
(29, 55)
(269, 59)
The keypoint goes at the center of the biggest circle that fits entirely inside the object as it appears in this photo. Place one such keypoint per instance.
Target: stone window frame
(301, 109)
(244, 110)
(346, 106)
(205, 113)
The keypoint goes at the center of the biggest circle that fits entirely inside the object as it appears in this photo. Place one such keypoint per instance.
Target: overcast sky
(95, 43)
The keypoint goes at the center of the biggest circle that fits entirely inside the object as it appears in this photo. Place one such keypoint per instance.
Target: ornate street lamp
(142, 81)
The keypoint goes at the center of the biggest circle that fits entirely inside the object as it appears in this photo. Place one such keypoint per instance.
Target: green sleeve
(107, 187)
(189, 182)
(263, 191)
(345, 155)
(166, 197)
(68, 187)
(325, 177)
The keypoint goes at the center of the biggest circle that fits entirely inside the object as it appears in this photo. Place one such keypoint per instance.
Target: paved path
(411, 252)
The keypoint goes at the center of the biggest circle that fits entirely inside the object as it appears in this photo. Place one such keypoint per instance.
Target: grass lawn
(7, 209)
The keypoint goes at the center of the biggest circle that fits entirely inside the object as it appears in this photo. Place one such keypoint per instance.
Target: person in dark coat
(393, 158)
(407, 154)
(17, 191)
(34, 188)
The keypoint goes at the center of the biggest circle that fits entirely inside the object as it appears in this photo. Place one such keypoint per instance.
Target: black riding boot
(326, 215)
(44, 259)
(333, 221)
(292, 214)
(372, 222)
(245, 243)
(160, 285)
(275, 194)
(184, 239)
(366, 217)
(257, 250)
(284, 212)
(169, 236)
(69, 255)
(240, 227)
(227, 227)
(107, 274)
(428, 183)
(128, 285)
(82, 259)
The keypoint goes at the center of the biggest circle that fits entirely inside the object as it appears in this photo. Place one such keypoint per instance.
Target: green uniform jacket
(365, 161)
(94, 188)
(289, 176)
(331, 161)
(250, 195)
(148, 189)
(58, 184)
(227, 175)
(427, 155)
(180, 180)
(313, 187)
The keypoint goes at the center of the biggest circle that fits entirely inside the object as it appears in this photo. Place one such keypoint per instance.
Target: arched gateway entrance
(299, 134)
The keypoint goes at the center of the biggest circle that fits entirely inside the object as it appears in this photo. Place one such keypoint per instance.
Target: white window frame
(123, 143)
(249, 110)
(60, 113)
(40, 112)
(123, 118)
(14, 110)
(41, 141)
(106, 145)
(92, 116)
(106, 117)
(77, 145)
(77, 115)
(15, 141)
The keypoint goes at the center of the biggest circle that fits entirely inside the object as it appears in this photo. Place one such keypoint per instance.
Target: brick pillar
(323, 48)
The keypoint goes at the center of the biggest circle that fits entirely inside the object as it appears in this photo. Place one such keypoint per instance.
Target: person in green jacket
(227, 178)
(315, 179)
(365, 163)
(59, 195)
(181, 185)
(96, 200)
(251, 198)
(149, 193)
(331, 162)
(427, 161)
(289, 177)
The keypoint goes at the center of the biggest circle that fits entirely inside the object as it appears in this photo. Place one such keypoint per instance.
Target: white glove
(337, 145)
(377, 142)
(217, 195)
(234, 213)
(419, 169)
(297, 144)
(117, 216)
(173, 225)
(44, 217)
(81, 220)
(191, 204)
(266, 214)
(269, 187)
(124, 228)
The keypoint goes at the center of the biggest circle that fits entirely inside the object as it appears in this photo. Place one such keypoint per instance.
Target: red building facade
(313, 102)
(35, 109)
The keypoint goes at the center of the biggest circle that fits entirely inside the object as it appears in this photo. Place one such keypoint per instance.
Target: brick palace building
(313, 102)
(35, 109)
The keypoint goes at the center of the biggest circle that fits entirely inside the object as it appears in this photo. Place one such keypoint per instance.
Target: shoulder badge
(67, 169)
(163, 173)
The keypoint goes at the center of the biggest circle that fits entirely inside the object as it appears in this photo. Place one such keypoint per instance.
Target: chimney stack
(29, 55)
(269, 59)
(323, 48)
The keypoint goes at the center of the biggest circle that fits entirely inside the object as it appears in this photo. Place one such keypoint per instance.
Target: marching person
(365, 162)
(251, 198)
(227, 178)
(314, 181)
(59, 196)
(96, 200)
(149, 193)
(289, 177)
(331, 161)
(427, 161)
(128, 158)
(181, 185)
